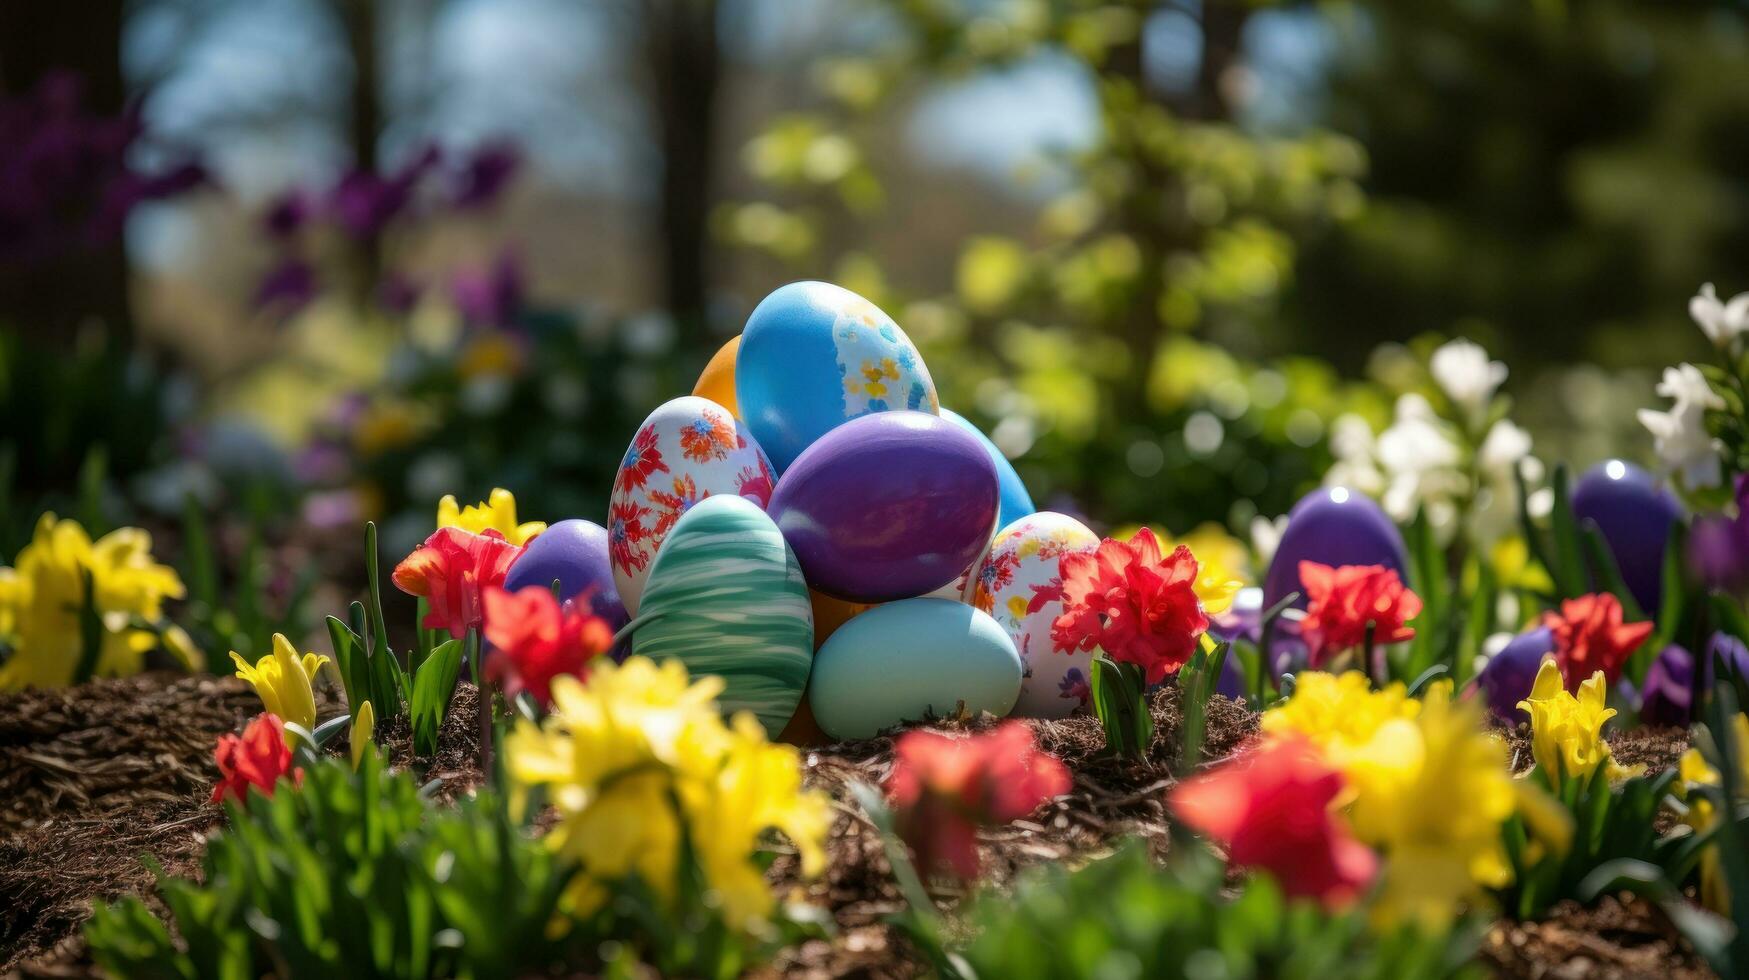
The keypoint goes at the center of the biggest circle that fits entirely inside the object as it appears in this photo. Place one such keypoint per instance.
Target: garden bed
(95, 777)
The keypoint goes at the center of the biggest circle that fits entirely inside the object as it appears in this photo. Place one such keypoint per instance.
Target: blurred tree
(1075, 338)
(1555, 179)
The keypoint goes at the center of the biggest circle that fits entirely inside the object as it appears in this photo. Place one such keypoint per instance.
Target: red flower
(1128, 601)
(1342, 601)
(259, 758)
(1271, 810)
(943, 788)
(642, 458)
(536, 640)
(671, 505)
(450, 570)
(1590, 636)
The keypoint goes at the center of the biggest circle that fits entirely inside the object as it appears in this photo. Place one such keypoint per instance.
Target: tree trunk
(685, 67)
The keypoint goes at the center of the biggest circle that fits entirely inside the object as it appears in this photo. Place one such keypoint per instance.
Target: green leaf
(433, 686)
(1569, 568)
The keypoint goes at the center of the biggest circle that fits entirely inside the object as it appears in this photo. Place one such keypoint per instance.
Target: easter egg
(1332, 526)
(1021, 564)
(1633, 512)
(1507, 677)
(888, 506)
(814, 356)
(726, 597)
(574, 554)
(688, 449)
(1016, 502)
(910, 660)
(717, 382)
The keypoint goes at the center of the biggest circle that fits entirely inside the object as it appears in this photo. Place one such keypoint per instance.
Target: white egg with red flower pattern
(1018, 584)
(688, 449)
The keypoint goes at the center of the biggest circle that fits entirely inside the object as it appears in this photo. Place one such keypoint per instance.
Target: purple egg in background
(1668, 697)
(1509, 675)
(887, 506)
(1332, 526)
(1634, 512)
(574, 553)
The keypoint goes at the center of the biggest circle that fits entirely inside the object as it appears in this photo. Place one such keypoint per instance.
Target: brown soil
(95, 777)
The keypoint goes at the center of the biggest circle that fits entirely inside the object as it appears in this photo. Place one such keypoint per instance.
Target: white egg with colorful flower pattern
(686, 450)
(1018, 584)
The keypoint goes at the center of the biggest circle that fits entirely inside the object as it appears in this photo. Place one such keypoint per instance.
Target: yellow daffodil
(1567, 731)
(1338, 712)
(1221, 562)
(1693, 771)
(497, 513)
(619, 749)
(284, 681)
(43, 599)
(1431, 793)
(364, 726)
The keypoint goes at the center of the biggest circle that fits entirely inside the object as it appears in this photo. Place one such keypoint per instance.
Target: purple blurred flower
(333, 508)
(1718, 551)
(288, 213)
(491, 296)
(1668, 696)
(65, 183)
(286, 288)
(485, 175)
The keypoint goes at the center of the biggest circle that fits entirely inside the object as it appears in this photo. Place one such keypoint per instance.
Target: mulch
(94, 777)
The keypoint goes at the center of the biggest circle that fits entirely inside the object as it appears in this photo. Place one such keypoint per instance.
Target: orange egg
(830, 613)
(718, 380)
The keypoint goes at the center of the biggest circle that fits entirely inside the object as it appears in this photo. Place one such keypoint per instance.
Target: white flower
(1504, 446)
(1680, 436)
(1462, 370)
(1266, 536)
(1686, 386)
(1416, 442)
(1721, 322)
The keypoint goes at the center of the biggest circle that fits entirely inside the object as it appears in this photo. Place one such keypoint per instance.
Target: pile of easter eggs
(811, 526)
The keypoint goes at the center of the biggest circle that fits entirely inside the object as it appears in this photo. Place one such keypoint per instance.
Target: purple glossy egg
(574, 553)
(1634, 513)
(1509, 675)
(1332, 526)
(887, 506)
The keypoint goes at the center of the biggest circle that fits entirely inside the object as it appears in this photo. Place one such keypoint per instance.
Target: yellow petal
(363, 729)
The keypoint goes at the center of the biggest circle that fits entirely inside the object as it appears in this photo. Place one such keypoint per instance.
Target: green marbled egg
(726, 596)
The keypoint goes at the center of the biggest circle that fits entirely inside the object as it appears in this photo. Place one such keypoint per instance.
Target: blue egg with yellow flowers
(814, 356)
(1015, 501)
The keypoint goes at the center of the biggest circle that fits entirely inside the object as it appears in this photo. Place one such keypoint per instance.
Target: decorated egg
(717, 382)
(814, 356)
(1633, 512)
(910, 660)
(888, 506)
(574, 554)
(1016, 502)
(1332, 526)
(726, 597)
(688, 449)
(1020, 568)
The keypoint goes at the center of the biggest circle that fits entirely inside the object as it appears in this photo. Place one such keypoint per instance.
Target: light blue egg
(910, 660)
(814, 356)
(1016, 502)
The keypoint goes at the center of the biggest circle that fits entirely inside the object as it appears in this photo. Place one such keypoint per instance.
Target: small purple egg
(1332, 526)
(1509, 675)
(887, 506)
(574, 553)
(1633, 511)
